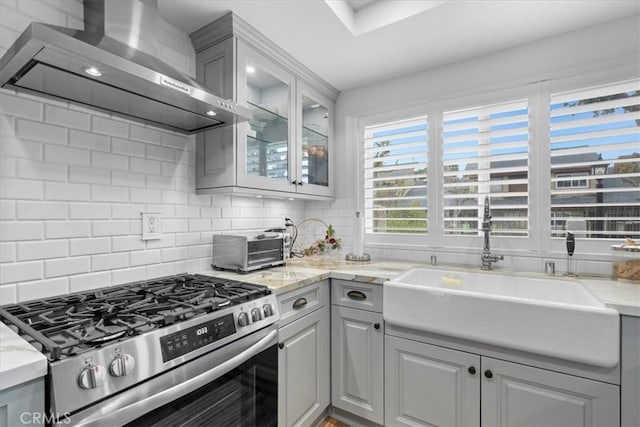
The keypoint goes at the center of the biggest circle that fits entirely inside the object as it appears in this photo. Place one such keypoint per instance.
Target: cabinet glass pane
(315, 142)
(267, 138)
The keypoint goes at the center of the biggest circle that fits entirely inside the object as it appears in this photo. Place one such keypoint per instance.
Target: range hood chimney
(112, 65)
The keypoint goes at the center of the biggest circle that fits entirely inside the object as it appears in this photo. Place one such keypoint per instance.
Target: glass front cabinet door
(314, 130)
(265, 142)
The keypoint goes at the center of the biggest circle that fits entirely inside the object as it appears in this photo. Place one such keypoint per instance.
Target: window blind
(395, 177)
(485, 152)
(595, 139)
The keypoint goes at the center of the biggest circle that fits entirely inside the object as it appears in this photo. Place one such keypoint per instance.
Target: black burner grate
(72, 324)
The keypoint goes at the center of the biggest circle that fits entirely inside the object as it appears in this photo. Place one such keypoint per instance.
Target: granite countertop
(19, 361)
(624, 297)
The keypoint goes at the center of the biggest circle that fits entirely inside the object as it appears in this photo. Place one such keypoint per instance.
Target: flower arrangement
(330, 242)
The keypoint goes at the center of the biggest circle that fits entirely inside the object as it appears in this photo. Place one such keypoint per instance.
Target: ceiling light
(92, 71)
(314, 105)
(290, 198)
(251, 69)
(211, 113)
(259, 196)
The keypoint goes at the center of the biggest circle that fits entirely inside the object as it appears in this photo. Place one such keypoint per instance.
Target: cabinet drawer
(295, 304)
(365, 296)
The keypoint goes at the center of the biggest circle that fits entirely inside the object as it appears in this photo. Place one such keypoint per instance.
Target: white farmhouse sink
(547, 316)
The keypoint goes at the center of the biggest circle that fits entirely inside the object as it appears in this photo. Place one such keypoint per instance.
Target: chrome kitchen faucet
(487, 258)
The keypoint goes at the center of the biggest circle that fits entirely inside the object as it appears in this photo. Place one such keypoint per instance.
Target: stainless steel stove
(132, 353)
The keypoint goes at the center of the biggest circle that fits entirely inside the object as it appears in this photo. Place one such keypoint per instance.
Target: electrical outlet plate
(151, 222)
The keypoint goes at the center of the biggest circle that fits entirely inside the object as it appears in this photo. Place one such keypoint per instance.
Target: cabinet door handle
(294, 182)
(488, 374)
(280, 345)
(357, 295)
(299, 303)
(376, 326)
(300, 183)
(472, 370)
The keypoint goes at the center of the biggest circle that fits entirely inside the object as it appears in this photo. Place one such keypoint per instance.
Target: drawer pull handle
(280, 345)
(472, 370)
(357, 295)
(299, 303)
(376, 326)
(488, 374)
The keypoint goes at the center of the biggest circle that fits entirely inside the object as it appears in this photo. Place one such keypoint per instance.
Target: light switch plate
(151, 229)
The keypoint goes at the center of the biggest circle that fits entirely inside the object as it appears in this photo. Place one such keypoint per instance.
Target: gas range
(102, 342)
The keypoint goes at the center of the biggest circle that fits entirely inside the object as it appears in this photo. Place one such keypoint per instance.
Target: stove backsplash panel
(74, 182)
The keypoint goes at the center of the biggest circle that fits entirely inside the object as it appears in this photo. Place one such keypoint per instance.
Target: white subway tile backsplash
(160, 270)
(145, 257)
(41, 210)
(203, 224)
(174, 141)
(145, 196)
(87, 282)
(89, 246)
(202, 251)
(175, 197)
(187, 239)
(11, 147)
(7, 209)
(66, 229)
(127, 211)
(145, 134)
(65, 117)
(30, 169)
(17, 106)
(8, 294)
(42, 249)
(174, 225)
(89, 175)
(7, 252)
(111, 161)
(126, 243)
(161, 153)
(21, 189)
(188, 212)
(66, 155)
(13, 19)
(8, 167)
(21, 230)
(110, 228)
(128, 275)
(66, 266)
(159, 182)
(39, 10)
(66, 191)
(109, 127)
(127, 147)
(175, 254)
(145, 166)
(42, 289)
(127, 179)
(88, 140)
(109, 261)
(103, 193)
(168, 240)
(37, 131)
(20, 271)
(89, 211)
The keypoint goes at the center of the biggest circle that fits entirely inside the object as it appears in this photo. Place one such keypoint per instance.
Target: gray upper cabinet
(286, 148)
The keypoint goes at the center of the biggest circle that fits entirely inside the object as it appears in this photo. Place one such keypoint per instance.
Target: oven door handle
(117, 416)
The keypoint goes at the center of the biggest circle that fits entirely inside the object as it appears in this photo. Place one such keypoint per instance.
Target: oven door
(235, 385)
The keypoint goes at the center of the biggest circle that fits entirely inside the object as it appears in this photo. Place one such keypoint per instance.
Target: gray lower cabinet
(427, 385)
(23, 404)
(630, 372)
(303, 368)
(518, 395)
(357, 340)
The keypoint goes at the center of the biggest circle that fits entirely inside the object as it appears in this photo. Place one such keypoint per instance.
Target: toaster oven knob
(92, 377)
(122, 365)
(268, 310)
(243, 318)
(256, 314)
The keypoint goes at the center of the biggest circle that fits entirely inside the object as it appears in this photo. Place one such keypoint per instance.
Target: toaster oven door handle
(116, 412)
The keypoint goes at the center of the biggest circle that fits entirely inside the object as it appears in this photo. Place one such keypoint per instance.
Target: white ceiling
(448, 32)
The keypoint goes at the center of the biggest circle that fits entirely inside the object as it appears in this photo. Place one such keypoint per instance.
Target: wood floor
(331, 422)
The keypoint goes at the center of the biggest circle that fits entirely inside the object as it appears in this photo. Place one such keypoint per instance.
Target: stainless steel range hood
(112, 65)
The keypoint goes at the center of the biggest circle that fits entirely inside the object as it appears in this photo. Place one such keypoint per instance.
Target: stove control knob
(92, 377)
(256, 314)
(122, 365)
(268, 310)
(243, 318)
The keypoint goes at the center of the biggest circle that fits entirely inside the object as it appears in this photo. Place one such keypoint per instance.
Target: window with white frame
(395, 177)
(485, 153)
(595, 139)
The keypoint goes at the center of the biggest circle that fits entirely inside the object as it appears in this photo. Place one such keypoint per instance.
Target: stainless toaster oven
(250, 251)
